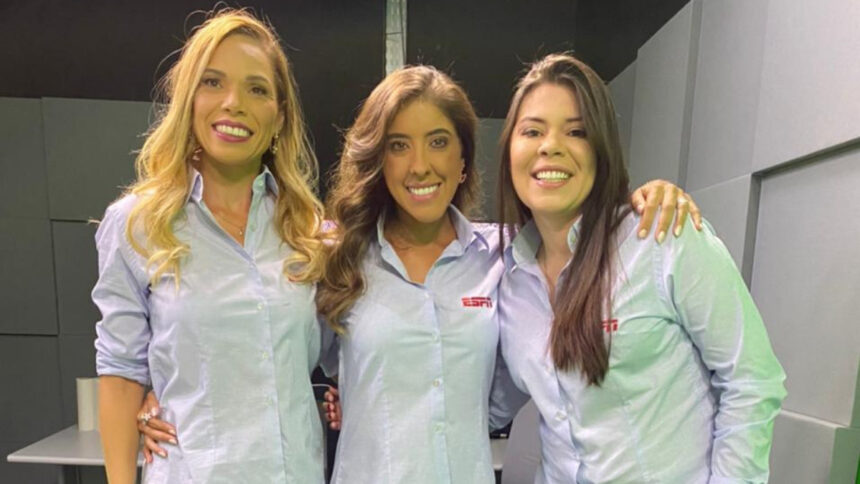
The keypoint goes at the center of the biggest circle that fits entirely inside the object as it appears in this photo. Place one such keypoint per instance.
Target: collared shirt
(693, 385)
(228, 353)
(416, 365)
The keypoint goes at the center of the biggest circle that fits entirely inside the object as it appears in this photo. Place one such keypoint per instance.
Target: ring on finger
(682, 200)
(145, 418)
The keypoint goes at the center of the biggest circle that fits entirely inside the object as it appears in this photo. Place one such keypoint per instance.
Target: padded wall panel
(623, 89)
(487, 157)
(802, 450)
(806, 283)
(89, 148)
(31, 388)
(726, 206)
(660, 100)
(76, 266)
(23, 191)
(27, 304)
(809, 97)
(726, 94)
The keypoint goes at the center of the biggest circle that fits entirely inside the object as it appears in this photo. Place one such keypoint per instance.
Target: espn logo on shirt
(477, 302)
(610, 326)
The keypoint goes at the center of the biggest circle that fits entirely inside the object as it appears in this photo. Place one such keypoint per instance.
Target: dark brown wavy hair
(583, 299)
(358, 195)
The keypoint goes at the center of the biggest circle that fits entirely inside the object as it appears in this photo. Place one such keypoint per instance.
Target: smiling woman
(206, 272)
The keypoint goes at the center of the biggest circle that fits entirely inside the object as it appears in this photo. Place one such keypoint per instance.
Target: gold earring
(274, 148)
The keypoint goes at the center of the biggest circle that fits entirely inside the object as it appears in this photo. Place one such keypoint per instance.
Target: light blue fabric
(416, 365)
(229, 353)
(693, 385)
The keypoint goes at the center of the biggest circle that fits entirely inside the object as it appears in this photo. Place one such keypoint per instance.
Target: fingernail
(661, 236)
(172, 441)
(162, 453)
(172, 431)
(677, 231)
(640, 208)
(643, 233)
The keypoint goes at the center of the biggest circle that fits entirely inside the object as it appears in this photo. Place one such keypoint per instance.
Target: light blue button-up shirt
(229, 353)
(416, 365)
(693, 386)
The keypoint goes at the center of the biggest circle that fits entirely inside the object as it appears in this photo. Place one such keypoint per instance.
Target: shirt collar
(467, 233)
(265, 180)
(523, 249)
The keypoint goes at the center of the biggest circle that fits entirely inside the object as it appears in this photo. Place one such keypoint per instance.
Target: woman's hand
(670, 199)
(154, 429)
(332, 409)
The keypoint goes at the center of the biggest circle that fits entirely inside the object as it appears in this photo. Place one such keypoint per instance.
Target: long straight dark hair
(583, 299)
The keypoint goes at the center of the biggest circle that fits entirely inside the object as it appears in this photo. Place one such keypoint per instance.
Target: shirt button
(560, 415)
(435, 336)
(259, 306)
(264, 355)
(437, 382)
(439, 427)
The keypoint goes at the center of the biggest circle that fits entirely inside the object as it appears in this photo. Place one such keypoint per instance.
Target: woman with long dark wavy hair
(410, 288)
(654, 355)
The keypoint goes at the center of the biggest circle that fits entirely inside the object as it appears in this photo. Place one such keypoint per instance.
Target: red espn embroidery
(477, 302)
(610, 326)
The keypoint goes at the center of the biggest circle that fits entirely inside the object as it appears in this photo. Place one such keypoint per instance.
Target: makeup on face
(553, 164)
(422, 163)
(235, 106)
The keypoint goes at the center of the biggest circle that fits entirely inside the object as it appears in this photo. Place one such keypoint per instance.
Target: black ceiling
(485, 43)
(117, 49)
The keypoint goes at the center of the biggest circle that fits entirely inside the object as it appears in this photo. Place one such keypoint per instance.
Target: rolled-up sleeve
(121, 294)
(713, 304)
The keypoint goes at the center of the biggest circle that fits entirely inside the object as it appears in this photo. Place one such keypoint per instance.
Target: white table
(69, 448)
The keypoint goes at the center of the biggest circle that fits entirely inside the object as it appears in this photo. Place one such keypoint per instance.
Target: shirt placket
(438, 417)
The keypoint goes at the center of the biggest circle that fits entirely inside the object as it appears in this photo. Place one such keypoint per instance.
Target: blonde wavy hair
(164, 170)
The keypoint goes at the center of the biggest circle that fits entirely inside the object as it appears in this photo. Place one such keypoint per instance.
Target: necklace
(240, 228)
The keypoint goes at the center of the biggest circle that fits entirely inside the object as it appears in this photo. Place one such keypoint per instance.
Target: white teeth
(420, 191)
(232, 130)
(552, 175)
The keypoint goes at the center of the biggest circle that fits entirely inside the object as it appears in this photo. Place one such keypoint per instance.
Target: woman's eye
(396, 146)
(260, 90)
(530, 132)
(210, 81)
(577, 133)
(439, 142)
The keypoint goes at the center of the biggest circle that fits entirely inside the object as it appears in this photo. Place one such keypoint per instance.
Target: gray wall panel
(31, 388)
(805, 281)
(76, 267)
(809, 98)
(731, 47)
(802, 449)
(88, 146)
(623, 89)
(726, 207)
(487, 157)
(660, 101)
(25, 473)
(28, 304)
(23, 191)
(77, 359)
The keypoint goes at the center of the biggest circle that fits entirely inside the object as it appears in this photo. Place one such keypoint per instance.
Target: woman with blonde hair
(207, 268)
